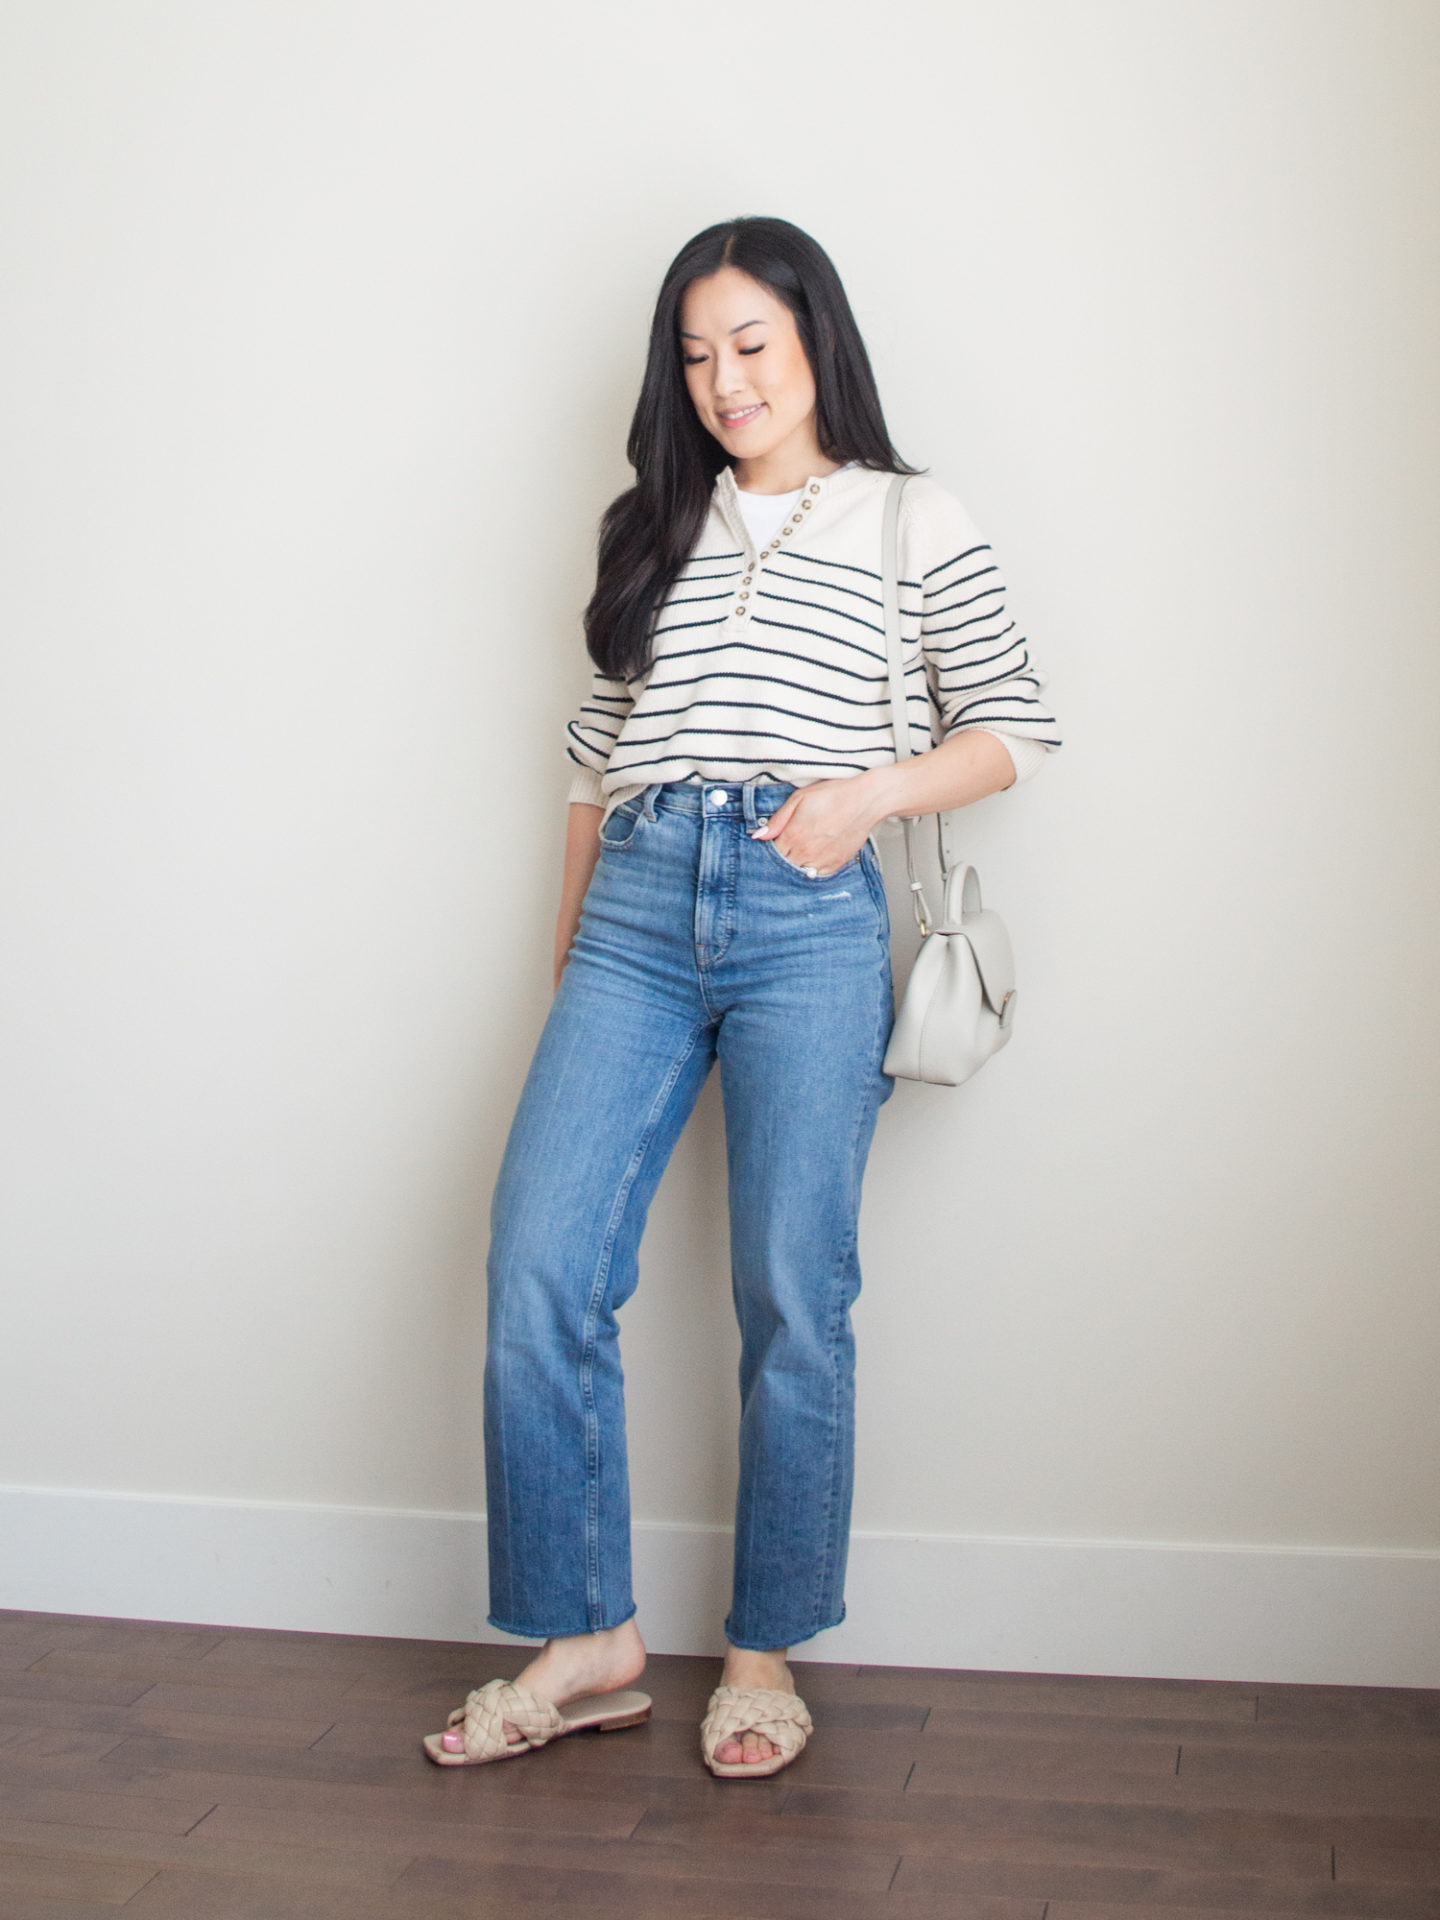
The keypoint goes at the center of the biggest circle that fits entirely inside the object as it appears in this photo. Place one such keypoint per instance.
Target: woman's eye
(693, 359)
(759, 349)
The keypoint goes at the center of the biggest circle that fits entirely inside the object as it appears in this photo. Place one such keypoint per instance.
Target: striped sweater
(770, 660)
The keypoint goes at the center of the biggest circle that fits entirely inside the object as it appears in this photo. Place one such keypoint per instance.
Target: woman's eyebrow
(740, 329)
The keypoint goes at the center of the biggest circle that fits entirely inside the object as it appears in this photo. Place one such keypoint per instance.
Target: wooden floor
(198, 1772)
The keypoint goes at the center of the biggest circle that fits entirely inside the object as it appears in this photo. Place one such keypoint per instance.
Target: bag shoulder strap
(899, 712)
(890, 575)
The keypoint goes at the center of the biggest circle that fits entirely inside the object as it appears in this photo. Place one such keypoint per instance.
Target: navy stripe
(779, 653)
(830, 586)
(934, 633)
(997, 679)
(938, 613)
(954, 561)
(980, 640)
(814, 560)
(1000, 700)
(1041, 739)
(777, 680)
(737, 760)
(786, 713)
(963, 581)
(681, 625)
(839, 613)
(790, 626)
(748, 733)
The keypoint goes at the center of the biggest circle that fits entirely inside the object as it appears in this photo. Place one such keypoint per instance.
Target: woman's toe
(744, 1749)
(453, 1739)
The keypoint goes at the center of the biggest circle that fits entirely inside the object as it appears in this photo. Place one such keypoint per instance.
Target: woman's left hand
(824, 824)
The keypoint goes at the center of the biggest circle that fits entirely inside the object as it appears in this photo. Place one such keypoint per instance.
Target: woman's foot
(746, 1668)
(580, 1663)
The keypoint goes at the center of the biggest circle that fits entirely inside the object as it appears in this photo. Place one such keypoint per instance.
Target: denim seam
(851, 1247)
(737, 1604)
(724, 891)
(874, 879)
(822, 1601)
(592, 1320)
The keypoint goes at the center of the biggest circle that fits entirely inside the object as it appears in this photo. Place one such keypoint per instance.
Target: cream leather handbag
(959, 1004)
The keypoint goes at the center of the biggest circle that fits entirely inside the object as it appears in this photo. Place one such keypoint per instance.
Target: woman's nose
(727, 379)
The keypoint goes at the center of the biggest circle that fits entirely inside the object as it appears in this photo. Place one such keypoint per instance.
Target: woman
(723, 900)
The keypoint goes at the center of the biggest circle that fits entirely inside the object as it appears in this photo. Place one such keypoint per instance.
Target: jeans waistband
(751, 800)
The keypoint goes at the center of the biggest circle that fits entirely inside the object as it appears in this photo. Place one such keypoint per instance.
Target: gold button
(807, 504)
(814, 489)
(796, 518)
(785, 531)
(766, 554)
(746, 581)
(739, 613)
(744, 596)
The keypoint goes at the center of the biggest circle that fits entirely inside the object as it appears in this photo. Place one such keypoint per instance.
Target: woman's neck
(784, 469)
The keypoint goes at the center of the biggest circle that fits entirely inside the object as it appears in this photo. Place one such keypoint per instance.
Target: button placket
(747, 583)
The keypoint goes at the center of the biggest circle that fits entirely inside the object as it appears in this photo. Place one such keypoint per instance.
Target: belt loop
(647, 799)
(747, 795)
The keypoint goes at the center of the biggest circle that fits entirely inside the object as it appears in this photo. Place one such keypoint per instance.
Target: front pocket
(799, 872)
(618, 830)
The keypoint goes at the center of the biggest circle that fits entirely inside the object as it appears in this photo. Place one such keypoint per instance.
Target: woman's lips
(743, 417)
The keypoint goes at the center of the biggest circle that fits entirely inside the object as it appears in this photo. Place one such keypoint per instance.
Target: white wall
(323, 326)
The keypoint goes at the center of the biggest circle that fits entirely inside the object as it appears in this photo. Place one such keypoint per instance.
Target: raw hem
(766, 1646)
(556, 1633)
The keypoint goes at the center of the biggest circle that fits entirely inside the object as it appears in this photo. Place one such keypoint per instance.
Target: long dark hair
(648, 532)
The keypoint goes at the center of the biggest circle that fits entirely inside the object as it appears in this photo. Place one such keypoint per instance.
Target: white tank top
(765, 513)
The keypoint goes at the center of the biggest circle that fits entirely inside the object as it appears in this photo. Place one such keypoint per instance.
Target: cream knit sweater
(770, 659)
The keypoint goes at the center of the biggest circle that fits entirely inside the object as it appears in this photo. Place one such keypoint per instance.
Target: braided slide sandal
(487, 1708)
(782, 1718)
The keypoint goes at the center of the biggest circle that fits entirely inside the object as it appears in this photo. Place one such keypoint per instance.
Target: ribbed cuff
(586, 787)
(1026, 754)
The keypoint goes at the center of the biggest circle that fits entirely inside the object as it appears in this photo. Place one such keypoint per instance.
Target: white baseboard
(1338, 1616)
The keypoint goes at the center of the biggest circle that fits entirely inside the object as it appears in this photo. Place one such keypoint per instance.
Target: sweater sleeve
(1025, 755)
(591, 735)
(978, 662)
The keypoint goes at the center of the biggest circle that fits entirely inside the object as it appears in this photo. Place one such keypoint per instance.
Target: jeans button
(718, 799)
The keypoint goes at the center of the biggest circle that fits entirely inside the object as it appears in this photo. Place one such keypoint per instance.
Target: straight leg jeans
(695, 943)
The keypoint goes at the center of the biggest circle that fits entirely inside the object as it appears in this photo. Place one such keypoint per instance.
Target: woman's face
(746, 369)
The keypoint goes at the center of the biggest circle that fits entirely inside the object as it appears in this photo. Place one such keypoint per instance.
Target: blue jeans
(695, 943)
